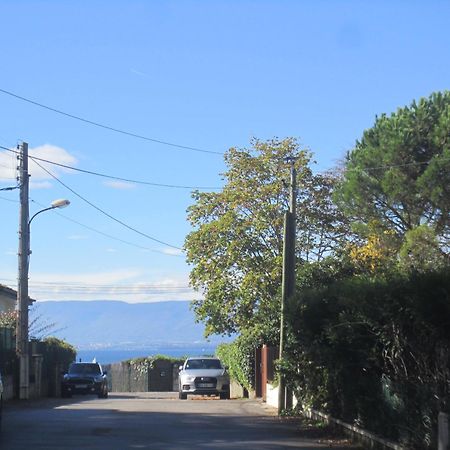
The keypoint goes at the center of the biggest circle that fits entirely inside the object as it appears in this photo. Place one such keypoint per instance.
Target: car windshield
(85, 369)
(203, 364)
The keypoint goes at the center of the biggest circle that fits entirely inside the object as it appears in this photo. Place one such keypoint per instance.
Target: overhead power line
(79, 285)
(104, 212)
(112, 177)
(9, 200)
(387, 166)
(10, 188)
(92, 288)
(128, 180)
(107, 127)
(116, 288)
(142, 247)
(84, 285)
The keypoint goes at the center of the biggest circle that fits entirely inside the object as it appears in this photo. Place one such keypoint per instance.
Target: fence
(7, 351)
(125, 376)
(265, 357)
(47, 362)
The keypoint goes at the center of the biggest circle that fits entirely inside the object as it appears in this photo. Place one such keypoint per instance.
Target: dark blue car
(84, 378)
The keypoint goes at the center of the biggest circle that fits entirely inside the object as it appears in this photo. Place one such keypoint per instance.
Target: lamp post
(24, 254)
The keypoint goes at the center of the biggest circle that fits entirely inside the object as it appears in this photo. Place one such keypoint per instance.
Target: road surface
(158, 421)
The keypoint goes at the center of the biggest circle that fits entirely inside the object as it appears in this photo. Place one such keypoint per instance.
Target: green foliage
(322, 228)
(141, 366)
(238, 358)
(8, 319)
(172, 359)
(38, 328)
(368, 335)
(399, 173)
(8, 358)
(373, 350)
(230, 356)
(57, 352)
(421, 250)
(236, 246)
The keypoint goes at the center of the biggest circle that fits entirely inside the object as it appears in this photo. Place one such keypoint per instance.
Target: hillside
(116, 324)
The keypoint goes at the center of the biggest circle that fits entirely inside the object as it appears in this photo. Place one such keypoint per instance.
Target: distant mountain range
(105, 324)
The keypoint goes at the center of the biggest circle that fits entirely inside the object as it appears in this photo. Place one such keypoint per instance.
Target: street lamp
(22, 290)
(60, 203)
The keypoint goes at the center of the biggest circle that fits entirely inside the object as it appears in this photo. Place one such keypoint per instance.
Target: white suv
(203, 375)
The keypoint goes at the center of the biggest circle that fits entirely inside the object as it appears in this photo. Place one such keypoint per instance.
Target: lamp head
(60, 203)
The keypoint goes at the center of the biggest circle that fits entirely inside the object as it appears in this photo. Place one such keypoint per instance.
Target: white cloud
(40, 185)
(39, 179)
(8, 166)
(138, 72)
(50, 153)
(172, 251)
(116, 184)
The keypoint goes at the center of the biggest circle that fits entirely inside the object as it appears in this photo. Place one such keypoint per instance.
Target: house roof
(7, 291)
(11, 293)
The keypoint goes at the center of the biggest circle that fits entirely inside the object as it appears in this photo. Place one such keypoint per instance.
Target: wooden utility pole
(288, 281)
(22, 346)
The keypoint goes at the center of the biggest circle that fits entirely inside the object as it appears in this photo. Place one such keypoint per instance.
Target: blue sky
(203, 74)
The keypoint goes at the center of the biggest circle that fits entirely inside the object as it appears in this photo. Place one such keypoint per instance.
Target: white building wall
(272, 396)
(7, 299)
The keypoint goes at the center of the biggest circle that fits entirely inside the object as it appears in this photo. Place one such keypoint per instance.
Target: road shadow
(91, 426)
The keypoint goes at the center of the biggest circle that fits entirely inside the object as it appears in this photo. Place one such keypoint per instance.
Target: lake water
(113, 356)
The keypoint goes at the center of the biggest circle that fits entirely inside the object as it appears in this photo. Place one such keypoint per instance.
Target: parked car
(203, 376)
(1, 399)
(84, 378)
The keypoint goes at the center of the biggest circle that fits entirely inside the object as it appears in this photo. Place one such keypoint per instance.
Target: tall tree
(236, 246)
(398, 174)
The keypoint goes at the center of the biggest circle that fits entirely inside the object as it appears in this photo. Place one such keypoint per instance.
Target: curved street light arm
(62, 203)
(41, 211)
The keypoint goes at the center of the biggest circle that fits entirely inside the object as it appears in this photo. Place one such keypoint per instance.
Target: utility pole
(22, 346)
(288, 281)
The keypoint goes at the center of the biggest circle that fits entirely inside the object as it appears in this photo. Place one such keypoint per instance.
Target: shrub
(238, 358)
(374, 351)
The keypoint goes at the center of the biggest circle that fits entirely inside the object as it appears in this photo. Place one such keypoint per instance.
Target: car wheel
(103, 394)
(182, 396)
(224, 396)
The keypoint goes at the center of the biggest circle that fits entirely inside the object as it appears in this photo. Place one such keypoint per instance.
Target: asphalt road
(157, 421)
